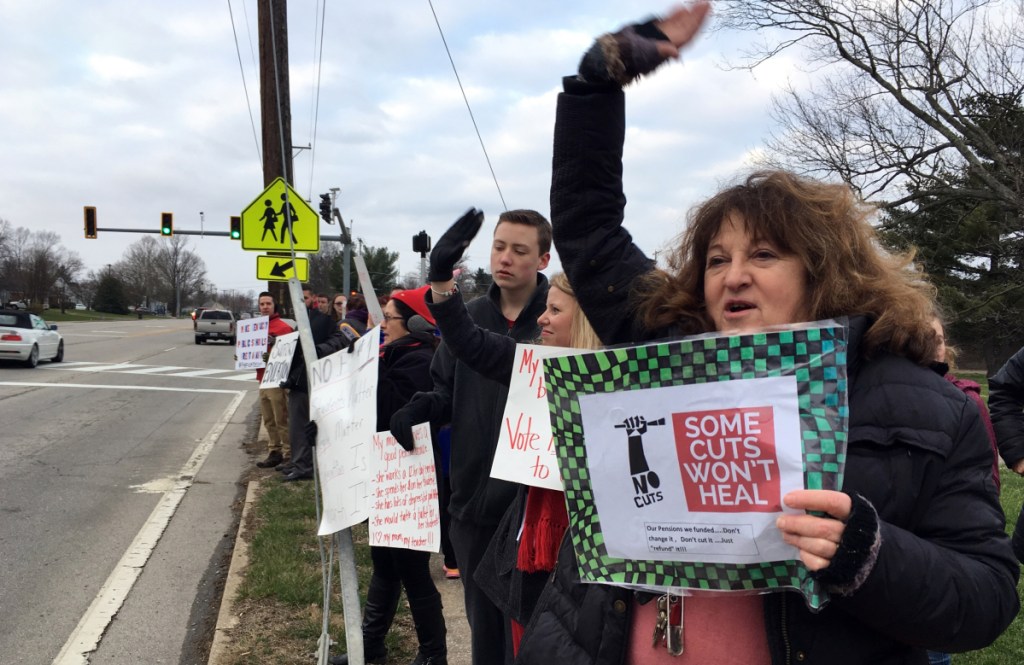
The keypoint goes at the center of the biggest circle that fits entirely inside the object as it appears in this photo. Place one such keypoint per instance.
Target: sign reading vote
(280, 219)
(526, 450)
(282, 268)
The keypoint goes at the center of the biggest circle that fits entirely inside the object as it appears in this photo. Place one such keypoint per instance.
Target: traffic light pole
(183, 232)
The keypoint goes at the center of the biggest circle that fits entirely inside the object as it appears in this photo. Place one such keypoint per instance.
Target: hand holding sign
(817, 538)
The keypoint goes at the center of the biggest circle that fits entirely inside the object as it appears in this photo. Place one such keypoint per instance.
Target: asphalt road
(118, 470)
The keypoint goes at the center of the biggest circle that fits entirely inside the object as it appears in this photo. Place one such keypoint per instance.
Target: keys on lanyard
(668, 628)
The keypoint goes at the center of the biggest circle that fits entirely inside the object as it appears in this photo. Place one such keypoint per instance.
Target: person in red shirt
(273, 401)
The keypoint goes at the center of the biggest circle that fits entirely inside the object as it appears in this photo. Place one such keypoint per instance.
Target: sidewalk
(451, 592)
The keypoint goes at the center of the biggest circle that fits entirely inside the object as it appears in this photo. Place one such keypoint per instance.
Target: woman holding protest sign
(912, 550)
(405, 356)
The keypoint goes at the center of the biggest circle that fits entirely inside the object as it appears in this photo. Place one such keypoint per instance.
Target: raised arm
(587, 201)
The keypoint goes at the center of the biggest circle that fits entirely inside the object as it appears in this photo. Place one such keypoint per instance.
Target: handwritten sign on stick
(280, 361)
(526, 452)
(405, 508)
(343, 402)
(251, 342)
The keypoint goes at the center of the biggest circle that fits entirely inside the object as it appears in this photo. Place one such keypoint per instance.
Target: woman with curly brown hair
(912, 551)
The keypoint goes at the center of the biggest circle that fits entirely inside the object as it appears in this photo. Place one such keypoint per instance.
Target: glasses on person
(389, 318)
(339, 304)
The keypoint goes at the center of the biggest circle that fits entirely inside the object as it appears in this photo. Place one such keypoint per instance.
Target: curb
(226, 618)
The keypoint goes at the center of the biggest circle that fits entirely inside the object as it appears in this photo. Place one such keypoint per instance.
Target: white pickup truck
(215, 324)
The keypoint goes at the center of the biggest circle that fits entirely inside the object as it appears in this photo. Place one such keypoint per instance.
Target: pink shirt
(722, 629)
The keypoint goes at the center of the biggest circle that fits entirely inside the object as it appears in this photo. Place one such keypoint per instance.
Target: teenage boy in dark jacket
(1006, 406)
(474, 404)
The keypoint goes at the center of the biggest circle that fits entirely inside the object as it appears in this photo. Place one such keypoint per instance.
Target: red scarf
(544, 524)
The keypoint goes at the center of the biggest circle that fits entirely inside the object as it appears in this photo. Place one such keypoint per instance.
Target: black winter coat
(474, 404)
(320, 327)
(1006, 406)
(404, 370)
(944, 579)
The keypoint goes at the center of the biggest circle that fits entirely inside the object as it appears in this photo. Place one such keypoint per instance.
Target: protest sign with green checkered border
(815, 355)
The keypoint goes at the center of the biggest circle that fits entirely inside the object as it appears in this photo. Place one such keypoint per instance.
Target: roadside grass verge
(280, 599)
(53, 315)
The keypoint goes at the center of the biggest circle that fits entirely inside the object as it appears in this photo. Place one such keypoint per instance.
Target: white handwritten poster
(251, 342)
(695, 472)
(343, 402)
(405, 507)
(280, 361)
(526, 452)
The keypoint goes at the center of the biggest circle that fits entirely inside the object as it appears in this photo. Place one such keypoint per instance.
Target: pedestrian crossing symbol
(265, 221)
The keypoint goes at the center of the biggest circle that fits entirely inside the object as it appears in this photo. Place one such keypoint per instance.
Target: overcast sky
(139, 107)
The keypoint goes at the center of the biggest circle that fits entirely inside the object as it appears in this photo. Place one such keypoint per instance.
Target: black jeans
(490, 628)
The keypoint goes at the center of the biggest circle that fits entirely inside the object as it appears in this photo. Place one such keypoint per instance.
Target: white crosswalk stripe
(153, 370)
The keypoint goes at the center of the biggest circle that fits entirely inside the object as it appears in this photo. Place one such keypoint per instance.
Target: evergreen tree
(110, 295)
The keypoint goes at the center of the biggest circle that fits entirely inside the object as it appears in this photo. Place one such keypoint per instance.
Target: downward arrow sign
(280, 269)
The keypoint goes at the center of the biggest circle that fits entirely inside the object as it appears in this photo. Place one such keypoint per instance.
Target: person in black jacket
(474, 404)
(1006, 405)
(301, 465)
(913, 550)
(404, 369)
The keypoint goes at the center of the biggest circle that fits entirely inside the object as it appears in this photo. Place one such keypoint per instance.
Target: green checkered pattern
(815, 356)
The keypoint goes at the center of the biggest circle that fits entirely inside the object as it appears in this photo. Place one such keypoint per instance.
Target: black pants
(491, 633)
(298, 418)
(411, 568)
(444, 494)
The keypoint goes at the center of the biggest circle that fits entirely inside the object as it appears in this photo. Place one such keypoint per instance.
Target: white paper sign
(405, 507)
(526, 451)
(279, 364)
(251, 342)
(343, 402)
(695, 472)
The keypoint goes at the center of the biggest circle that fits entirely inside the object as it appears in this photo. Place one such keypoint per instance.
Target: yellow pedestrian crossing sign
(265, 221)
(281, 268)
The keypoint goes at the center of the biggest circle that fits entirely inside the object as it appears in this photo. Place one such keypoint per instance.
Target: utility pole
(275, 106)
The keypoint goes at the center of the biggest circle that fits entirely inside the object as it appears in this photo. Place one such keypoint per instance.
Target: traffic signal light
(236, 228)
(90, 221)
(421, 243)
(325, 207)
(166, 224)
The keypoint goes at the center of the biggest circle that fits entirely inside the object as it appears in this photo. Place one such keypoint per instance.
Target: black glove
(310, 430)
(413, 413)
(623, 56)
(453, 243)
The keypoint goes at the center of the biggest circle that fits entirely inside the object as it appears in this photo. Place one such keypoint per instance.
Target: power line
(252, 120)
(468, 107)
(316, 103)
